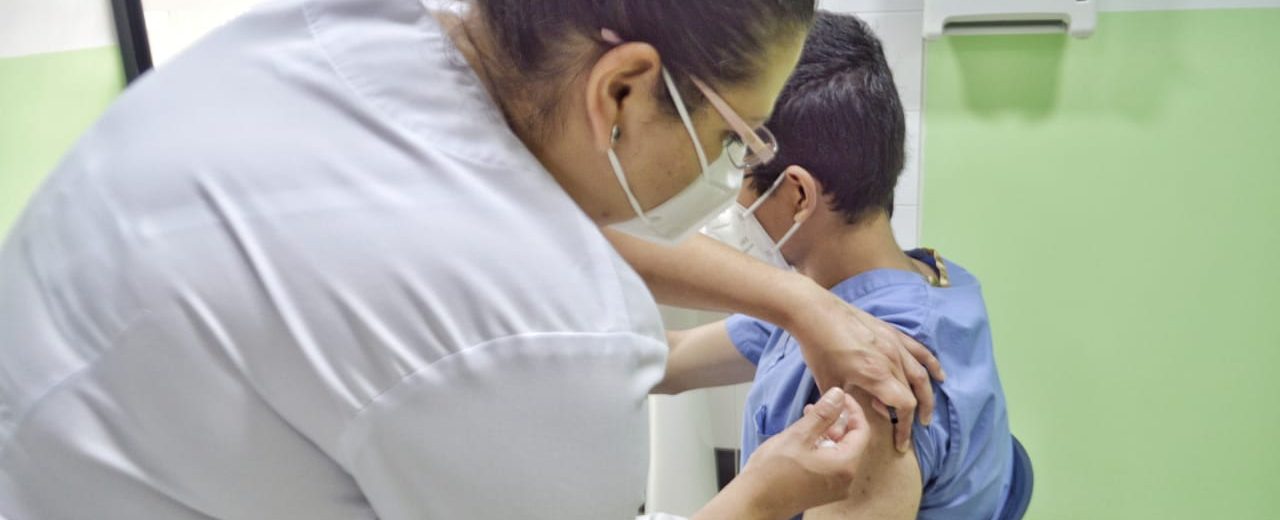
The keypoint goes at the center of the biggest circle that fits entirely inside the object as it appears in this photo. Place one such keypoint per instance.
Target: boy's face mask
(739, 228)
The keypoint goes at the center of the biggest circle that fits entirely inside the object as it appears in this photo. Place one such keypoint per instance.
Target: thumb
(824, 414)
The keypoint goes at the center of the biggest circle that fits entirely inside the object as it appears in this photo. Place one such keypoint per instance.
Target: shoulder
(906, 305)
(959, 275)
(750, 336)
(747, 325)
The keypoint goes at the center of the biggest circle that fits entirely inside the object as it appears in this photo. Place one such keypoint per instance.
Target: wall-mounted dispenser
(947, 17)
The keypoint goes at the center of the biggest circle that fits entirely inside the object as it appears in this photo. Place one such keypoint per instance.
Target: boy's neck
(861, 247)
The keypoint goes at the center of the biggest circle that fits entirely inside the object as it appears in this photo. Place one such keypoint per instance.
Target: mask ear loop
(787, 236)
(622, 179)
(777, 246)
(684, 118)
(760, 200)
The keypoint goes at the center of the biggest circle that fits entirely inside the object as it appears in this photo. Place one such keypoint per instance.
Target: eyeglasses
(747, 147)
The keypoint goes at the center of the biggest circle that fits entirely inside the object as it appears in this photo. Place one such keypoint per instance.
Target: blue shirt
(965, 455)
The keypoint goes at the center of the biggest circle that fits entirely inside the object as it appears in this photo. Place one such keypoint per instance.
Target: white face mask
(740, 229)
(681, 215)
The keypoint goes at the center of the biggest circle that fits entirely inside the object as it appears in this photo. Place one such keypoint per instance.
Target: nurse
(343, 259)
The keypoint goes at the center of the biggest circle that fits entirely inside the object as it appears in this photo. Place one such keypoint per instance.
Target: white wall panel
(685, 429)
(908, 192)
(903, 49)
(173, 25)
(41, 26)
(906, 226)
(1172, 5)
(871, 6)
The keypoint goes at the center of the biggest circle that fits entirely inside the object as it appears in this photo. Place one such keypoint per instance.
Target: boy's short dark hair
(839, 117)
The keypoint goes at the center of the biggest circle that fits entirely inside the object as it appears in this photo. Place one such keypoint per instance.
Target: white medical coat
(305, 271)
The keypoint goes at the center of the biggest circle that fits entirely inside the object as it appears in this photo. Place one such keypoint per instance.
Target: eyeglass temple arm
(758, 146)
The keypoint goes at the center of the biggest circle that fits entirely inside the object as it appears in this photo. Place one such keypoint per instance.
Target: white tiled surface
(41, 26)
(904, 49)
(908, 192)
(906, 226)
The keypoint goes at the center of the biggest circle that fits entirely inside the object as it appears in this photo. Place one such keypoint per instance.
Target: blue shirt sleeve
(749, 335)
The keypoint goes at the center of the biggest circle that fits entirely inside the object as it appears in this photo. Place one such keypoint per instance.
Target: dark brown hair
(840, 118)
(719, 41)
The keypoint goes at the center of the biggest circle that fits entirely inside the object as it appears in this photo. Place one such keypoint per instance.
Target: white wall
(685, 429)
(173, 25)
(1176, 5)
(42, 26)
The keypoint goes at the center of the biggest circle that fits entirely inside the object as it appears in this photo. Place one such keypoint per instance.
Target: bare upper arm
(703, 357)
(888, 484)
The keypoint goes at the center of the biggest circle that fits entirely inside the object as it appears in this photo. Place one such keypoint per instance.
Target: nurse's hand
(801, 468)
(846, 347)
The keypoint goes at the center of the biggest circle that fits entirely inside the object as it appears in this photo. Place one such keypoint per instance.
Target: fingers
(855, 418)
(895, 394)
(854, 436)
(918, 377)
(822, 416)
(902, 431)
(880, 408)
(857, 432)
(892, 392)
(836, 431)
(926, 358)
(897, 391)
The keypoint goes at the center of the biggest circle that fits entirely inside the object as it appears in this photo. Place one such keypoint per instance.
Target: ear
(807, 189)
(626, 75)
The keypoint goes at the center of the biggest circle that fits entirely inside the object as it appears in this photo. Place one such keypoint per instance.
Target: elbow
(670, 384)
(667, 388)
(663, 389)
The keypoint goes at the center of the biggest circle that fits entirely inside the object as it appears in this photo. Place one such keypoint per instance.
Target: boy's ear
(808, 192)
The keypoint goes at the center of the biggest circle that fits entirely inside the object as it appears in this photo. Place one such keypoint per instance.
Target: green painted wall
(1120, 198)
(46, 102)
